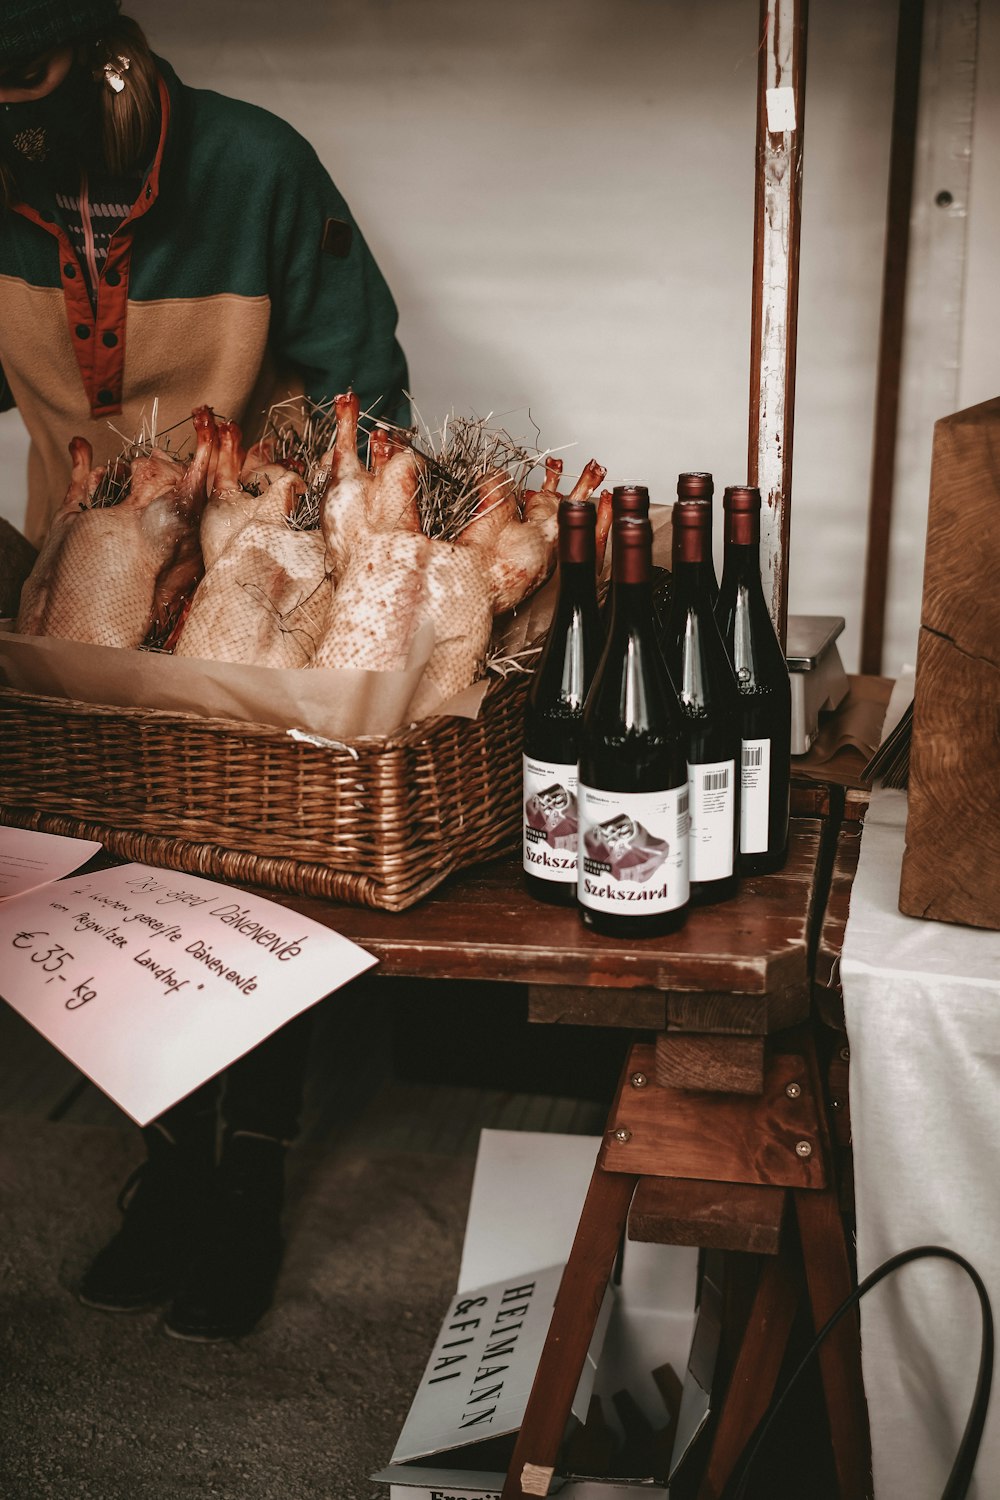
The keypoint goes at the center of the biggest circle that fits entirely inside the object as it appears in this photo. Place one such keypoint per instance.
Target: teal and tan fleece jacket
(238, 278)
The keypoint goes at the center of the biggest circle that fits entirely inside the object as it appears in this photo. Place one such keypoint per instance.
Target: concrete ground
(102, 1407)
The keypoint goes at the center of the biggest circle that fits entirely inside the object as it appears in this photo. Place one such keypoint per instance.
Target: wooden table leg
(755, 1372)
(828, 1277)
(574, 1318)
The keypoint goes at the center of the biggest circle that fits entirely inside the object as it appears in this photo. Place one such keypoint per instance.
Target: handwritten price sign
(52, 958)
(152, 982)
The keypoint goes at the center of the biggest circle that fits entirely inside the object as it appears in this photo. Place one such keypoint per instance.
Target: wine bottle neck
(741, 566)
(577, 581)
(577, 548)
(693, 581)
(631, 605)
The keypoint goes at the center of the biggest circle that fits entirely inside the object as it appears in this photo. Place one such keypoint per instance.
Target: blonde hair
(129, 120)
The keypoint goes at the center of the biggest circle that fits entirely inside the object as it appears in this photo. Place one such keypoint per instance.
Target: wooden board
(482, 924)
(951, 866)
(710, 1215)
(829, 996)
(809, 798)
(575, 1005)
(728, 1064)
(739, 1015)
(717, 1137)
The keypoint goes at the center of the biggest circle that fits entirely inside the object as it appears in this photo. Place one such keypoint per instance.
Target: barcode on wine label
(682, 803)
(752, 755)
(715, 781)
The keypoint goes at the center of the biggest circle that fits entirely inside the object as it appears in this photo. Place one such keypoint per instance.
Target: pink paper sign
(151, 982)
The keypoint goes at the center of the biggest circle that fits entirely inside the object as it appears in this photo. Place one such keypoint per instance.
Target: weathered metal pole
(902, 167)
(781, 78)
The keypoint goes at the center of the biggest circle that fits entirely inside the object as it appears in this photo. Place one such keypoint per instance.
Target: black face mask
(54, 134)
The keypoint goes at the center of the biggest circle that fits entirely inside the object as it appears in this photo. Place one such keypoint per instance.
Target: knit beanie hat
(30, 27)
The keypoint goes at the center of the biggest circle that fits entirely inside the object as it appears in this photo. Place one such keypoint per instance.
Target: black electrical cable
(968, 1449)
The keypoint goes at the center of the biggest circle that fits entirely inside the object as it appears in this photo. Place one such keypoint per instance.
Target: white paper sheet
(151, 982)
(29, 860)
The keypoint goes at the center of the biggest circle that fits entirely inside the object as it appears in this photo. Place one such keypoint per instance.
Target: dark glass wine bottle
(765, 690)
(633, 859)
(633, 500)
(698, 485)
(554, 712)
(703, 676)
(626, 500)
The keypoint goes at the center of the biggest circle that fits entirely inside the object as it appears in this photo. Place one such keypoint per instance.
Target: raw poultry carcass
(229, 506)
(395, 579)
(459, 603)
(83, 482)
(122, 572)
(343, 513)
(266, 597)
(520, 555)
(377, 607)
(357, 501)
(498, 561)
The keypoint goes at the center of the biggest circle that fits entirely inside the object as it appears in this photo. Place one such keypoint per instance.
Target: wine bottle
(626, 500)
(699, 485)
(633, 861)
(554, 712)
(765, 690)
(633, 500)
(706, 686)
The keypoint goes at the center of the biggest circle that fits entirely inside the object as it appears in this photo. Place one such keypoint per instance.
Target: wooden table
(729, 1132)
(714, 991)
(719, 1163)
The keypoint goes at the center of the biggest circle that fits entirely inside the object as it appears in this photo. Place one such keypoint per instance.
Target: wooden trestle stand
(717, 1171)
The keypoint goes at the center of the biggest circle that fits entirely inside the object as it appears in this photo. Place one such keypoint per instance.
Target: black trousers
(261, 1092)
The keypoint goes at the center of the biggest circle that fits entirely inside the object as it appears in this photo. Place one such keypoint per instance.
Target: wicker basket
(377, 823)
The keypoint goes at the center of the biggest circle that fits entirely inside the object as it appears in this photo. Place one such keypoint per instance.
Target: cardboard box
(526, 1199)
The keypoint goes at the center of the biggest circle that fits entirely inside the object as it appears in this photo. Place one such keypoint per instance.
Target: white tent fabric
(922, 1001)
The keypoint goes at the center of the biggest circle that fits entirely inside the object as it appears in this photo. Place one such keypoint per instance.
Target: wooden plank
(710, 1215)
(781, 76)
(482, 922)
(810, 799)
(856, 801)
(563, 1004)
(951, 865)
(838, 901)
(728, 1064)
(574, 1317)
(668, 1132)
(838, 1100)
(755, 1373)
(741, 1015)
(828, 1277)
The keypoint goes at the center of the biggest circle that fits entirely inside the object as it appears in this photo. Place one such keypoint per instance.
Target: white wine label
(755, 806)
(633, 850)
(550, 819)
(711, 789)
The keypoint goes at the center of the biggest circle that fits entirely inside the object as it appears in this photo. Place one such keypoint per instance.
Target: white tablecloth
(922, 1001)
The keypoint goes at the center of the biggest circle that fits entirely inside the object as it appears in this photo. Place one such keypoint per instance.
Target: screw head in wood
(845, 1054)
(793, 1090)
(638, 1080)
(622, 1135)
(803, 1148)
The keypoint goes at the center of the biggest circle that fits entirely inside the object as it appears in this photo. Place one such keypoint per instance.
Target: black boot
(231, 1284)
(165, 1204)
